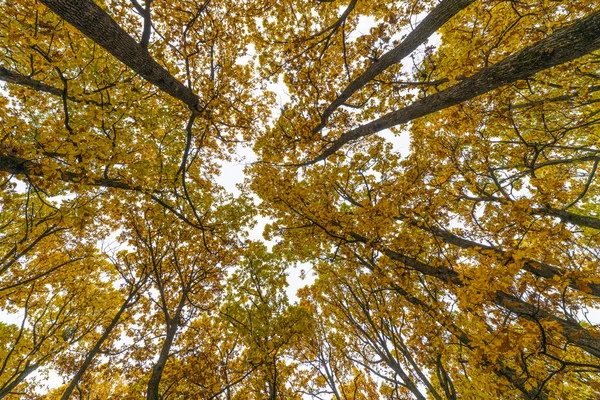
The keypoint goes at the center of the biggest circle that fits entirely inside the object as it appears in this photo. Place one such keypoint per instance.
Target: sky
(233, 174)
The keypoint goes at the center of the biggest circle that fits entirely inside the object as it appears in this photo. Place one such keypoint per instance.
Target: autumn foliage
(429, 165)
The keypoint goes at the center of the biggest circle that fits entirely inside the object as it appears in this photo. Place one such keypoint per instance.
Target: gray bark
(23, 80)
(569, 217)
(566, 44)
(432, 22)
(570, 330)
(536, 268)
(95, 23)
(98, 346)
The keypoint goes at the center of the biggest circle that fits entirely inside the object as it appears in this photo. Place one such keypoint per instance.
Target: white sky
(232, 174)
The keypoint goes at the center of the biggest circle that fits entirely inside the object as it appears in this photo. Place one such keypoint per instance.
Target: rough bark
(566, 44)
(95, 23)
(9, 76)
(571, 218)
(570, 330)
(534, 267)
(23, 80)
(574, 333)
(19, 166)
(20, 378)
(432, 22)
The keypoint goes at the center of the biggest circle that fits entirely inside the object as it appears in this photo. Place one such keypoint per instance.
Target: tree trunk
(96, 349)
(536, 268)
(159, 367)
(95, 23)
(432, 22)
(23, 80)
(566, 44)
(571, 331)
(20, 378)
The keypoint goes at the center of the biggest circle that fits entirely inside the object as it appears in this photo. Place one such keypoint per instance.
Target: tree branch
(432, 22)
(566, 44)
(95, 23)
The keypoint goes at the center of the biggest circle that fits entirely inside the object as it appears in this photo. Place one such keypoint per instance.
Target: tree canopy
(467, 267)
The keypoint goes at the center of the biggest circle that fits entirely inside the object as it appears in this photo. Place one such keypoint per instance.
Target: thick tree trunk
(569, 217)
(432, 22)
(95, 23)
(570, 330)
(19, 166)
(499, 368)
(566, 44)
(9, 76)
(5, 391)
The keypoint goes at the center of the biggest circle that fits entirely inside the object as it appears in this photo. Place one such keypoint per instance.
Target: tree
(463, 269)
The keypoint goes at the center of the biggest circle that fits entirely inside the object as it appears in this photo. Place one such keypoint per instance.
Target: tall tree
(465, 266)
